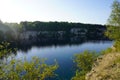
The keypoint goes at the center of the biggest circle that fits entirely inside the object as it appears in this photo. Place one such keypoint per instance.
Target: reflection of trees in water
(26, 45)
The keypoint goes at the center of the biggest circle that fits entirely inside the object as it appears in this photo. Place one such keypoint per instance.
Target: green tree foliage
(66, 27)
(16, 29)
(4, 27)
(36, 69)
(84, 62)
(12, 31)
(107, 51)
(5, 51)
(58, 26)
(113, 29)
(13, 69)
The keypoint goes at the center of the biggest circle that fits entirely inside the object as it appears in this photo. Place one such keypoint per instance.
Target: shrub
(84, 62)
(36, 69)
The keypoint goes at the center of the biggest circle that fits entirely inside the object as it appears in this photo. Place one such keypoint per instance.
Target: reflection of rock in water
(78, 38)
(27, 45)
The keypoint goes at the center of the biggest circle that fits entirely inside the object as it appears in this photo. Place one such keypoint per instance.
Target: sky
(83, 11)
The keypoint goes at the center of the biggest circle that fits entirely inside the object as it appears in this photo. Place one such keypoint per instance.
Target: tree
(84, 62)
(5, 50)
(36, 69)
(113, 25)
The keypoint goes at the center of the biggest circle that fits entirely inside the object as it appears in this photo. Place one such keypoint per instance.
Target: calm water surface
(64, 55)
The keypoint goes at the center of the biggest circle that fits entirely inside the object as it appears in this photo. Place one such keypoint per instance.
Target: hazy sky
(84, 11)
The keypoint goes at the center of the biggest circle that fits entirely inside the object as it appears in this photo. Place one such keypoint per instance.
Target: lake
(63, 54)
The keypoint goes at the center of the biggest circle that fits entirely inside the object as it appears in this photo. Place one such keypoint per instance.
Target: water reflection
(26, 47)
(63, 52)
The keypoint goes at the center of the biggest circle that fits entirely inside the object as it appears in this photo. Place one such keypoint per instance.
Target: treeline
(58, 26)
(47, 31)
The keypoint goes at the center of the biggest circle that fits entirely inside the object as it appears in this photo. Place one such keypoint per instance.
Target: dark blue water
(64, 55)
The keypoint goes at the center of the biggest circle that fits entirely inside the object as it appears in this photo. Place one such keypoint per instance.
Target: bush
(107, 51)
(117, 45)
(84, 62)
(5, 51)
(36, 69)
